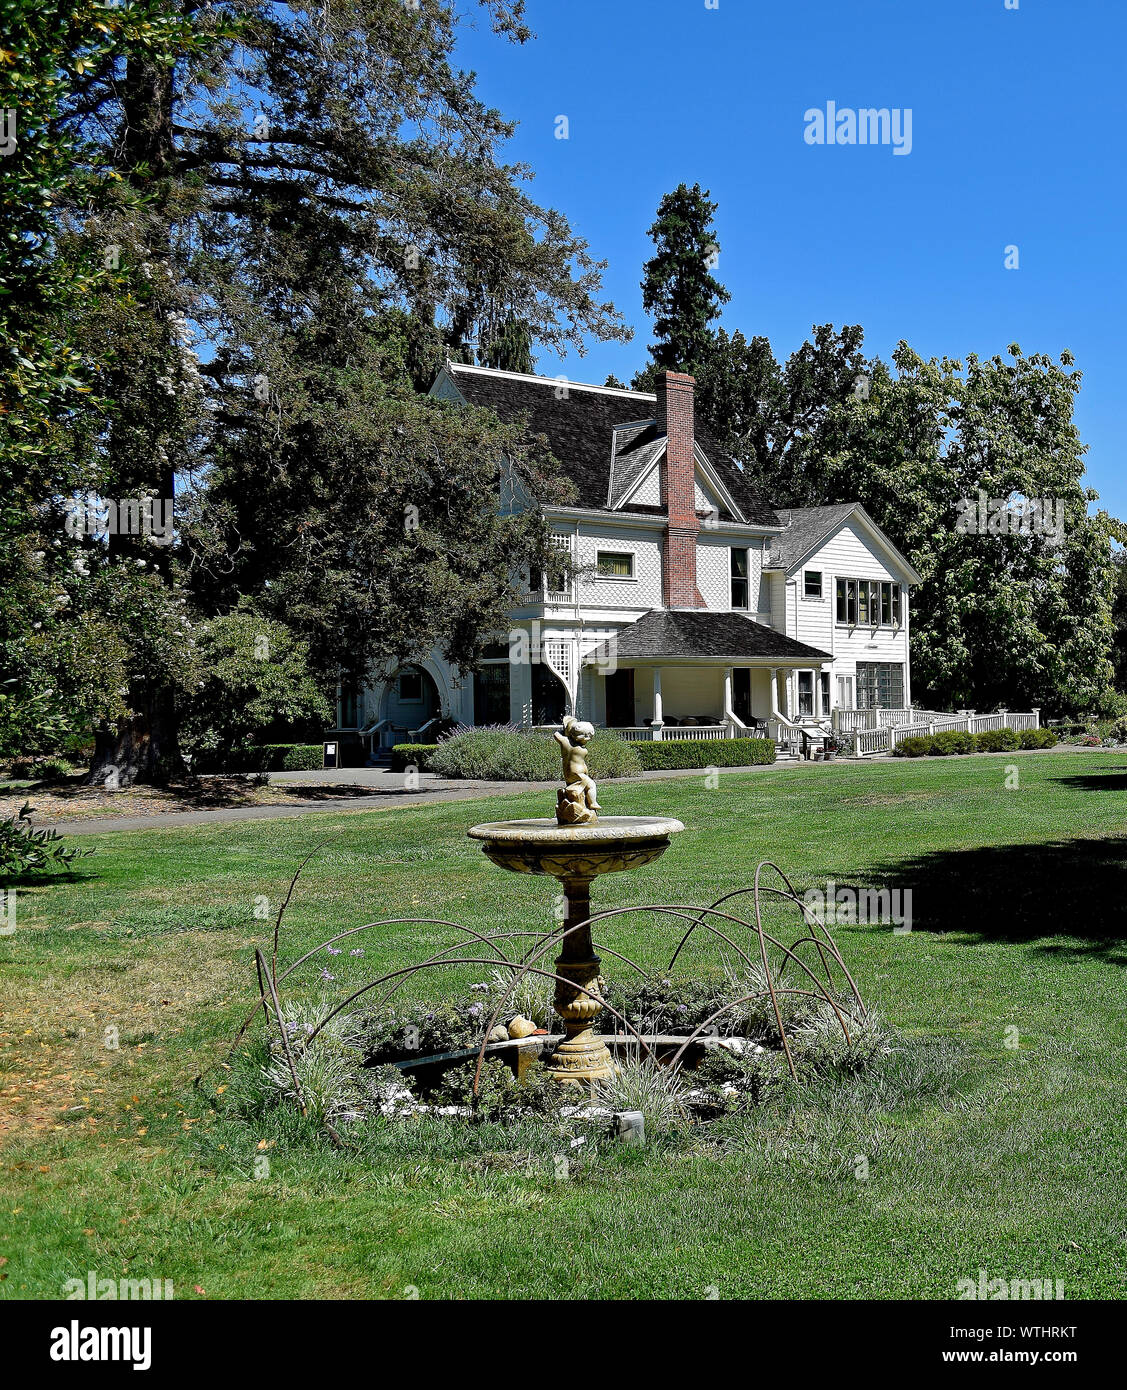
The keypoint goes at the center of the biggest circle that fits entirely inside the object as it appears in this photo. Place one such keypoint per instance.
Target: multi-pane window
(880, 685)
(615, 564)
(739, 578)
(557, 577)
(812, 584)
(806, 692)
(868, 602)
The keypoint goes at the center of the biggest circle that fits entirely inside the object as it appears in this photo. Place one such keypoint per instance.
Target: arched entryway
(410, 699)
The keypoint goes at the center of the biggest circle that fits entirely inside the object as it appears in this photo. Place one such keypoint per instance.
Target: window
(868, 602)
(614, 564)
(812, 584)
(739, 579)
(349, 706)
(491, 694)
(824, 681)
(845, 692)
(806, 692)
(410, 687)
(880, 685)
(557, 577)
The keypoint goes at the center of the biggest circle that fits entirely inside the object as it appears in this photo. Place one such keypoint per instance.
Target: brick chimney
(678, 490)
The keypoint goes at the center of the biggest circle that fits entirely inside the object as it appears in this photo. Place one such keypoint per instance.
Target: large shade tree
(314, 213)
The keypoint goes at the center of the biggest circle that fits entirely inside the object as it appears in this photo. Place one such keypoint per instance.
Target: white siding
(644, 590)
(846, 554)
(714, 571)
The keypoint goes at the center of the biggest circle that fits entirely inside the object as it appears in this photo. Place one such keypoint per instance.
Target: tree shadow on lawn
(1060, 888)
(1107, 779)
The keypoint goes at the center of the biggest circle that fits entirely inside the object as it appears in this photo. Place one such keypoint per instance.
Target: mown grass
(979, 1154)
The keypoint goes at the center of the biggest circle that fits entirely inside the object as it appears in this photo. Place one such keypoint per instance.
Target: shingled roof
(806, 526)
(579, 428)
(664, 632)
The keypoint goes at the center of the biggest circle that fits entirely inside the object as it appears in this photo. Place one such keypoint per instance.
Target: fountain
(576, 847)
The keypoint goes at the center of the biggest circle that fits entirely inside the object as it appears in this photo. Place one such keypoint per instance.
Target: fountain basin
(611, 844)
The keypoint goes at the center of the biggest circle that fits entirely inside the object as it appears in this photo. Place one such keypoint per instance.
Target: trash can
(329, 755)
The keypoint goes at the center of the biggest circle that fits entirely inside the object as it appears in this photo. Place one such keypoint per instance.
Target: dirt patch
(79, 1050)
(71, 799)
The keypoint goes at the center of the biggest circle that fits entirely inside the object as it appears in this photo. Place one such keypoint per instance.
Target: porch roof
(681, 634)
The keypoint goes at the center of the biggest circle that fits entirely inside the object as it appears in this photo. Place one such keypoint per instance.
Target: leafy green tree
(252, 675)
(59, 658)
(678, 287)
(1003, 617)
(773, 419)
(284, 175)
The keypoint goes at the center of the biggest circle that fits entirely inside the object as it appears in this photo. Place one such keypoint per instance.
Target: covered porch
(716, 675)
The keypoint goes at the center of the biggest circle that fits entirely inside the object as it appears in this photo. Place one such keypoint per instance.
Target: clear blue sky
(1018, 134)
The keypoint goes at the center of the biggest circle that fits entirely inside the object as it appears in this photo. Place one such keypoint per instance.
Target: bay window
(868, 603)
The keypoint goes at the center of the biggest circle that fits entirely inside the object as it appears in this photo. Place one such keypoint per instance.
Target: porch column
(775, 691)
(818, 693)
(657, 719)
(728, 713)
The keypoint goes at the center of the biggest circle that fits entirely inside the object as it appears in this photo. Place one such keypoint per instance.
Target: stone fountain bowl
(608, 845)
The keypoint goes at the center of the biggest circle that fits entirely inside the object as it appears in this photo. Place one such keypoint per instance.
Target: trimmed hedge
(705, 752)
(989, 741)
(405, 755)
(266, 757)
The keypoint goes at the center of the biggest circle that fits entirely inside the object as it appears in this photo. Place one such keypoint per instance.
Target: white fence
(692, 731)
(879, 731)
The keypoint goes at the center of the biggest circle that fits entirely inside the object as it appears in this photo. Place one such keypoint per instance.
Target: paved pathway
(384, 790)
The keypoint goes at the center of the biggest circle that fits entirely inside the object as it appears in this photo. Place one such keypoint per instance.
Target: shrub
(953, 741)
(918, 746)
(705, 752)
(54, 769)
(997, 741)
(265, 757)
(296, 757)
(1038, 738)
(523, 755)
(24, 849)
(405, 755)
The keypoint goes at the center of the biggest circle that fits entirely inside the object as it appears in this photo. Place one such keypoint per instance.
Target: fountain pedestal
(576, 855)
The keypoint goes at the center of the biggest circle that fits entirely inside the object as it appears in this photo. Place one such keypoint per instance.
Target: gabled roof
(698, 633)
(808, 527)
(579, 424)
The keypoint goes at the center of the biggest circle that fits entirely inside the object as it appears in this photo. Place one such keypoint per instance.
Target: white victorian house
(691, 608)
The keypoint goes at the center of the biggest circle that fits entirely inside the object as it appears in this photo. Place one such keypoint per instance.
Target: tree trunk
(143, 748)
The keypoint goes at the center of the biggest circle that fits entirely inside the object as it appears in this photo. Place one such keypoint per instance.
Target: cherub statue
(576, 804)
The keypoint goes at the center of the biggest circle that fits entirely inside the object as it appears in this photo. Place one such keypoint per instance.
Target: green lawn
(1013, 1160)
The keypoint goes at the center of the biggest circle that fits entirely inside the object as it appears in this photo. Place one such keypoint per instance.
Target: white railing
(639, 732)
(695, 731)
(882, 737)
